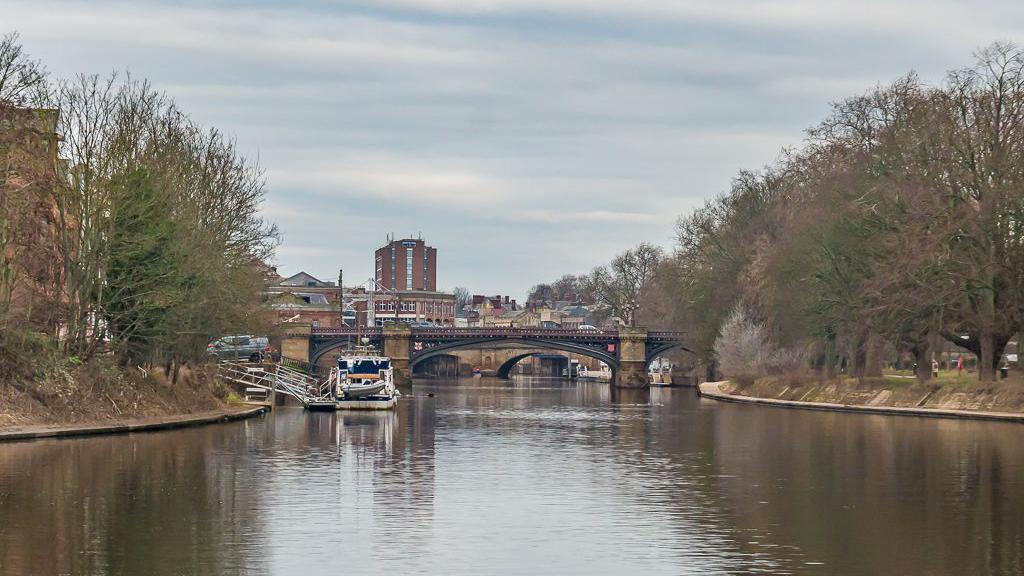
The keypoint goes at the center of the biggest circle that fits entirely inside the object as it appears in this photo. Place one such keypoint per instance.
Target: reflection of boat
(363, 380)
(603, 374)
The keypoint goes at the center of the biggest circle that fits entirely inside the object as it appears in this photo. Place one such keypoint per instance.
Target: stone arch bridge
(627, 351)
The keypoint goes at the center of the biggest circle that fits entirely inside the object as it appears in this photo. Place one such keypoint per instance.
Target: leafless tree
(22, 79)
(623, 284)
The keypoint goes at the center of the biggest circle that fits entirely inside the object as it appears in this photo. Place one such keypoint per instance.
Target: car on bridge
(251, 348)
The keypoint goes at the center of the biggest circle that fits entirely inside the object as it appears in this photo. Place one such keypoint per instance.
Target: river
(527, 477)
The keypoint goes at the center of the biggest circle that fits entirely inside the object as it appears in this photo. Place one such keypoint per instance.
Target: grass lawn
(951, 379)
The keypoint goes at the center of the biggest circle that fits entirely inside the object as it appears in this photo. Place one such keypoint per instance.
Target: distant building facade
(303, 298)
(33, 250)
(488, 310)
(414, 307)
(406, 265)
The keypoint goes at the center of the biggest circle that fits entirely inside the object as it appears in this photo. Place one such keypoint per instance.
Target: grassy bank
(950, 391)
(40, 385)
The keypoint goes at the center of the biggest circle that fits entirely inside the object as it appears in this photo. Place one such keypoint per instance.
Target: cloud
(399, 181)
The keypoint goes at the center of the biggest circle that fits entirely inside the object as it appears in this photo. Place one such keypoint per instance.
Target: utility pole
(341, 297)
(371, 310)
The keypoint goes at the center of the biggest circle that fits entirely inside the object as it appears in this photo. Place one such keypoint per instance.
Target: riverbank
(882, 396)
(40, 386)
(227, 414)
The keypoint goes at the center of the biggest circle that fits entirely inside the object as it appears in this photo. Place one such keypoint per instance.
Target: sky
(523, 139)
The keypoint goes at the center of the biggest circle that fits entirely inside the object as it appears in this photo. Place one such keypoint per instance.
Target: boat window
(369, 366)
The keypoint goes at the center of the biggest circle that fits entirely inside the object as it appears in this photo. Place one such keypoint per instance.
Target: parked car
(251, 348)
(423, 325)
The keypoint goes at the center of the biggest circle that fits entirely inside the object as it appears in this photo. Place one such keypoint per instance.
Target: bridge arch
(506, 367)
(325, 347)
(608, 358)
(446, 363)
(654, 352)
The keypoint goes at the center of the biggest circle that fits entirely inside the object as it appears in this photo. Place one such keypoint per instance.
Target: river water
(524, 477)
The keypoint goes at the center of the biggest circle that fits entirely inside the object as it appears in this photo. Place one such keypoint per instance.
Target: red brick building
(415, 306)
(32, 273)
(406, 265)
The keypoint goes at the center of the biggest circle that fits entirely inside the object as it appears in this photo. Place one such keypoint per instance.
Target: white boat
(361, 390)
(363, 380)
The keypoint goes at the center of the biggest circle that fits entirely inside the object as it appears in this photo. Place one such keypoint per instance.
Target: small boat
(360, 390)
(363, 380)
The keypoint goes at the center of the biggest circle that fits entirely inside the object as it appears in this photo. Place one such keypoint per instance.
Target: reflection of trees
(875, 494)
(160, 503)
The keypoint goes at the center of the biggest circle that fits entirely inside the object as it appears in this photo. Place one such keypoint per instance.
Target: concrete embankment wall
(727, 392)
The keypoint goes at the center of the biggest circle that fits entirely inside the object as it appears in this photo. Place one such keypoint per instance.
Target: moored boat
(362, 380)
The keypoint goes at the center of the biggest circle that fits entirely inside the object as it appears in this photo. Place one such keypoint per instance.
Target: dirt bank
(124, 425)
(38, 385)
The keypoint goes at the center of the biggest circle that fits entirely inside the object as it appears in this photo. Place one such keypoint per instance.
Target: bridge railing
(471, 332)
(368, 332)
(509, 332)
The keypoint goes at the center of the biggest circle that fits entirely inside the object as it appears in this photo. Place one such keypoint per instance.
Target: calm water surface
(525, 477)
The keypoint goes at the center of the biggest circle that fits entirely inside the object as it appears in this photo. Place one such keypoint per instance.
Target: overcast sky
(523, 139)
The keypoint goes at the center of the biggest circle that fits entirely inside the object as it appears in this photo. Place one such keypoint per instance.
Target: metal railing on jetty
(276, 379)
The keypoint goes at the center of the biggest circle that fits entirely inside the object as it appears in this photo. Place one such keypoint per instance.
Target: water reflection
(528, 476)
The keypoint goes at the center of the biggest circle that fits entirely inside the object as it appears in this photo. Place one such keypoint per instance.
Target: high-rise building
(407, 264)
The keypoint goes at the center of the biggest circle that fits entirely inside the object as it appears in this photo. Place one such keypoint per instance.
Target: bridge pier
(295, 344)
(632, 372)
(397, 340)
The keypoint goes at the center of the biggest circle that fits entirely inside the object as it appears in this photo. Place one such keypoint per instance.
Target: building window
(408, 269)
(316, 323)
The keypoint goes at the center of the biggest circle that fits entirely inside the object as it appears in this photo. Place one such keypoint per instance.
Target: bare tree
(22, 79)
(462, 299)
(623, 284)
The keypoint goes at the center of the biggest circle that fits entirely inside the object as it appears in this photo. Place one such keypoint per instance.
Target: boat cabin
(363, 368)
